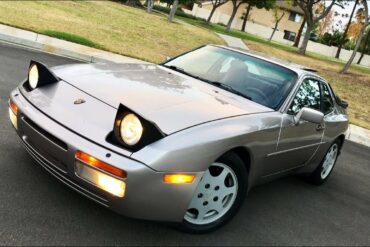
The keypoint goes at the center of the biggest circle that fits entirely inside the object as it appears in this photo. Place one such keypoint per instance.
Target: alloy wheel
(329, 161)
(214, 196)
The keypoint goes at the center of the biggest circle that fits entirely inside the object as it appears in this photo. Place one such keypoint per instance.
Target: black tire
(234, 162)
(315, 177)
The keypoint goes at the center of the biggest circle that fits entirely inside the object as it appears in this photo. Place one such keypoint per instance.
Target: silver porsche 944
(182, 141)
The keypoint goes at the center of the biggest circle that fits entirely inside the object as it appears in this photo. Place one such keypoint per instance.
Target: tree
(354, 30)
(298, 38)
(265, 4)
(215, 5)
(366, 24)
(173, 10)
(346, 30)
(332, 39)
(277, 19)
(325, 24)
(312, 18)
(365, 46)
(236, 4)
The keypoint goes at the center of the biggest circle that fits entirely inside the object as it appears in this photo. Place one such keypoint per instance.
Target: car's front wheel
(218, 196)
(322, 172)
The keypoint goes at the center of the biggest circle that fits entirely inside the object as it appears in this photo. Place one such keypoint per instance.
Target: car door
(334, 120)
(298, 141)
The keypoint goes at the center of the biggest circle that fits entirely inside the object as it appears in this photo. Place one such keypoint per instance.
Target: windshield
(258, 80)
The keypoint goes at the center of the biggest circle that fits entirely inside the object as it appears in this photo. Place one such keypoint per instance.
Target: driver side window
(308, 95)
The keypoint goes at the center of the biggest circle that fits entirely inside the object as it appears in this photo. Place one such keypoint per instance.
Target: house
(260, 22)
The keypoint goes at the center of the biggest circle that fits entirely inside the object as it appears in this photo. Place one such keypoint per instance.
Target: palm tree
(366, 24)
(341, 43)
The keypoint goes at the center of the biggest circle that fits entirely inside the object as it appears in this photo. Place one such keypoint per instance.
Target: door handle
(320, 127)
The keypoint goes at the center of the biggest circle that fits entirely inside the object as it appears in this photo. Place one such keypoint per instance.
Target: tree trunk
(273, 32)
(345, 31)
(246, 17)
(173, 10)
(306, 38)
(149, 6)
(211, 14)
(134, 3)
(360, 59)
(276, 26)
(348, 64)
(298, 38)
(365, 47)
(235, 9)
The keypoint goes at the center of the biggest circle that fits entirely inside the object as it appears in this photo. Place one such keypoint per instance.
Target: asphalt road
(36, 209)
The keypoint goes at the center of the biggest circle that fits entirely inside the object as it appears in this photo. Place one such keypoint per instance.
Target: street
(36, 209)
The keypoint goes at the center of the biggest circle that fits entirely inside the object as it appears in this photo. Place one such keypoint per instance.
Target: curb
(358, 135)
(60, 47)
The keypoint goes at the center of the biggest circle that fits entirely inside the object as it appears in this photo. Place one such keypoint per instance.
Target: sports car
(182, 141)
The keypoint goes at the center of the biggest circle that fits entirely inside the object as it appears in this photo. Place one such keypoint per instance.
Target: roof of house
(288, 5)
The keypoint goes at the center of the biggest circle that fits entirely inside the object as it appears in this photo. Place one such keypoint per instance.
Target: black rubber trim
(151, 132)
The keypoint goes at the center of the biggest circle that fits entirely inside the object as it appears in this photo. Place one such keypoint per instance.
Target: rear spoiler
(339, 101)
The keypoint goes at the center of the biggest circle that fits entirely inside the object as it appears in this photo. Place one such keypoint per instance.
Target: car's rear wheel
(218, 196)
(322, 172)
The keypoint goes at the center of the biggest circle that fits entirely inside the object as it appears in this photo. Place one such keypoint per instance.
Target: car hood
(171, 100)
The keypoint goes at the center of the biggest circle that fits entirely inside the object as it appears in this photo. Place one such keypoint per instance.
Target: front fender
(196, 148)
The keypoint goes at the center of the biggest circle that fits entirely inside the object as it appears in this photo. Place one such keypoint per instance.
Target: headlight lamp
(33, 76)
(131, 129)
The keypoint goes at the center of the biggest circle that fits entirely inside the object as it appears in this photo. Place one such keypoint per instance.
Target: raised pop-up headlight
(33, 76)
(39, 75)
(133, 131)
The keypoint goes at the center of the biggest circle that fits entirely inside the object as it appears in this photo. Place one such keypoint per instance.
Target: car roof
(298, 68)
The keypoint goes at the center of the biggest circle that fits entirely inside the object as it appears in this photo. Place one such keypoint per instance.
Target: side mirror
(309, 115)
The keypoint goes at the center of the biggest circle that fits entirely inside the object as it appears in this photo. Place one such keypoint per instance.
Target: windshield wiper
(181, 70)
(175, 68)
(229, 88)
(215, 83)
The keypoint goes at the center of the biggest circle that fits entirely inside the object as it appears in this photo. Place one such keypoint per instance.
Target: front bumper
(54, 146)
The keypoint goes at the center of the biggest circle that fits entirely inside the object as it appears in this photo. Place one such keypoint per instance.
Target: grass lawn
(107, 25)
(353, 87)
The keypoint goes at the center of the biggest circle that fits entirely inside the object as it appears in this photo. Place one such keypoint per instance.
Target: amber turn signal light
(94, 162)
(178, 178)
(13, 107)
(13, 112)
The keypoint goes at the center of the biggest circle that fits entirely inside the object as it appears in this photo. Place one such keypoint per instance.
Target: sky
(342, 21)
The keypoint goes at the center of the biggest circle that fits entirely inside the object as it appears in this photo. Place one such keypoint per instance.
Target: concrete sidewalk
(91, 55)
(233, 42)
(60, 47)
